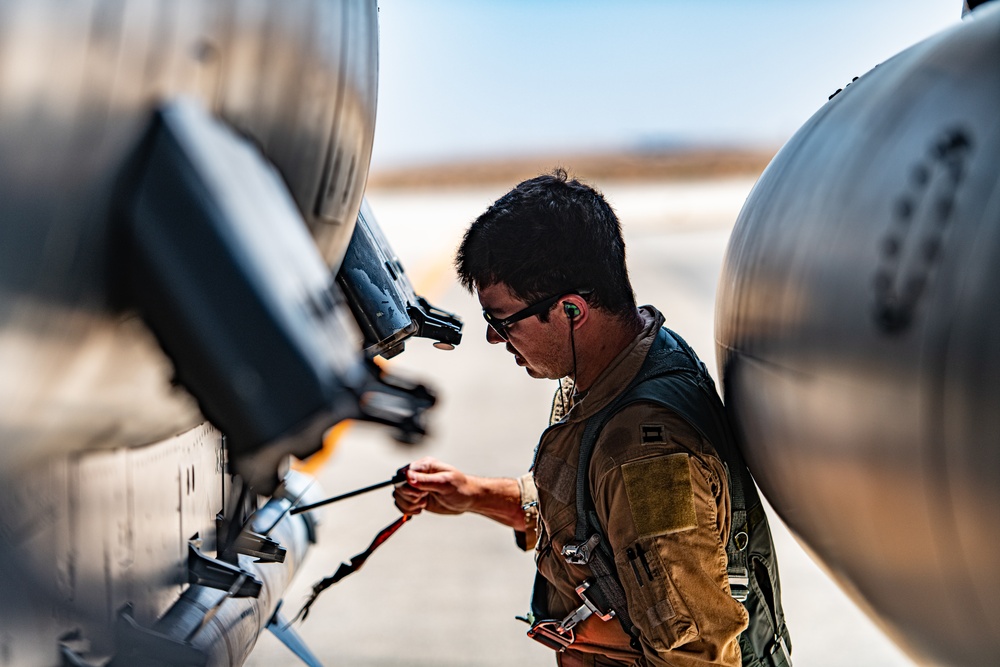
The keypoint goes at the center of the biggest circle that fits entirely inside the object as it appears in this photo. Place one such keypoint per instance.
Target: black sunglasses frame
(500, 326)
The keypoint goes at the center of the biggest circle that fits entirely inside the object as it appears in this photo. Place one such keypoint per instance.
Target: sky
(466, 79)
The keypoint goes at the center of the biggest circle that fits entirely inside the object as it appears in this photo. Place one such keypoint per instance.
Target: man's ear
(575, 308)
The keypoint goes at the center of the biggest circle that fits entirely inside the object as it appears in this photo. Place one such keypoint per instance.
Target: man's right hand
(443, 489)
(436, 487)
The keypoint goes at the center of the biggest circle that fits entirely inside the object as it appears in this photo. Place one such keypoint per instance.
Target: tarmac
(444, 591)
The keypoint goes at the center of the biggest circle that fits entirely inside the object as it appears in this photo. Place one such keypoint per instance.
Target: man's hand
(443, 489)
(436, 487)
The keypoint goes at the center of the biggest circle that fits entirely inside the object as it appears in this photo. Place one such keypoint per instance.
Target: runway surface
(443, 592)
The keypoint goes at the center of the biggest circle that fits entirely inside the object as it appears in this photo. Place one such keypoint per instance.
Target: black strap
(398, 478)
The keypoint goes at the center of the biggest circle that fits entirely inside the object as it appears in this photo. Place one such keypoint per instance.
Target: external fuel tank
(858, 339)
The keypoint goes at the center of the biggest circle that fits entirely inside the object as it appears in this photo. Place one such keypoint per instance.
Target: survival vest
(672, 376)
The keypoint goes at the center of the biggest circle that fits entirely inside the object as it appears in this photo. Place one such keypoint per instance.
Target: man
(547, 261)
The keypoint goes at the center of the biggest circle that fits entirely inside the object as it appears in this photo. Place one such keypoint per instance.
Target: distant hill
(674, 164)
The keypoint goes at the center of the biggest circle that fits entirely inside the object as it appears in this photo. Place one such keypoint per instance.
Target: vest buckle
(739, 583)
(579, 553)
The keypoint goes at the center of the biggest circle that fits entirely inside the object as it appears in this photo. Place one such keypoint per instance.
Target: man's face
(542, 348)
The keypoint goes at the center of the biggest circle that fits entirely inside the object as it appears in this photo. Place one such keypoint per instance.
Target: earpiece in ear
(571, 310)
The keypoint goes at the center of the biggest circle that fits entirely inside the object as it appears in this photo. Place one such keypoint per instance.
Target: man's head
(549, 235)
(551, 243)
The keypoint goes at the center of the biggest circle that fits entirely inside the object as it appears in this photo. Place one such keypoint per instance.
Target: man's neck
(601, 343)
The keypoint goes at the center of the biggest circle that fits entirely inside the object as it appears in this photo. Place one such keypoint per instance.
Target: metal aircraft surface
(181, 183)
(858, 323)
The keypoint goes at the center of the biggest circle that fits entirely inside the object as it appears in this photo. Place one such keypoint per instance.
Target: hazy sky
(466, 78)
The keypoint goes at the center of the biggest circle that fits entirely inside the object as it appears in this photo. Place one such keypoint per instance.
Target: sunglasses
(501, 326)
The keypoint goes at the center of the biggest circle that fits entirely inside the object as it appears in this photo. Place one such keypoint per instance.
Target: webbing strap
(606, 581)
(350, 567)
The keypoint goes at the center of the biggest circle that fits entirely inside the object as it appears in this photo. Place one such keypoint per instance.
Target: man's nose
(492, 336)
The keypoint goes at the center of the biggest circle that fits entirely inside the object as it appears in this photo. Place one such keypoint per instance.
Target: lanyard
(358, 560)
(351, 566)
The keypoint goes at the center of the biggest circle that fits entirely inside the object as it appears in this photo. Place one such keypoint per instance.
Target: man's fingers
(409, 493)
(411, 508)
(438, 482)
(425, 464)
(409, 500)
(428, 465)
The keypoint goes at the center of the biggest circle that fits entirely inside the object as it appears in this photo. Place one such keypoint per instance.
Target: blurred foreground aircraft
(858, 331)
(182, 237)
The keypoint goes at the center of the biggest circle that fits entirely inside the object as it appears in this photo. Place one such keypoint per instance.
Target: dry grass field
(681, 164)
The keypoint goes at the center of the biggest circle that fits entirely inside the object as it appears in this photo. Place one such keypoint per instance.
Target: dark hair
(549, 234)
